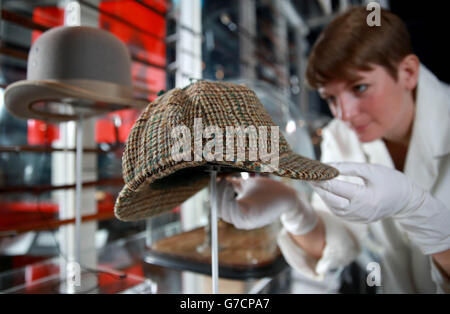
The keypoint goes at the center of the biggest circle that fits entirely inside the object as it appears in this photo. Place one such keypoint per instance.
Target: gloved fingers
(334, 202)
(219, 193)
(238, 217)
(221, 184)
(225, 200)
(223, 188)
(302, 205)
(224, 212)
(340, 188)
(355, 169)
(237, 184)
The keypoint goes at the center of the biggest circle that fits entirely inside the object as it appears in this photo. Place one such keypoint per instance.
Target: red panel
(47, 16)
(143, 30)
(160, 5)
(38, 271)
(19, 261)
(41, 133)
(17, 213)
(105, 279)
(105, 131)
(106, 204)
(148, 80)
(128, 118)
(11, 219)
(42, 207)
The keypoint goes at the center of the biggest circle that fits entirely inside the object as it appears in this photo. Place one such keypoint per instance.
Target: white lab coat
(404, 268)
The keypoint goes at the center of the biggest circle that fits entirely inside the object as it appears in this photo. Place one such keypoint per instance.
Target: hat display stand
(84, 285)
(213, 170)
(66, 288)
(78, 186)
(208, 237)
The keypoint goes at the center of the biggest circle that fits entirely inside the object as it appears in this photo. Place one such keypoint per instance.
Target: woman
(391, 111)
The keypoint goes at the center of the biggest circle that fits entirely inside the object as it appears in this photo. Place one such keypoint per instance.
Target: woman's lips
(361, 128)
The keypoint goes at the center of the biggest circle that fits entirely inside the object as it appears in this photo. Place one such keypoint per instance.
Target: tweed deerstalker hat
(171, 146)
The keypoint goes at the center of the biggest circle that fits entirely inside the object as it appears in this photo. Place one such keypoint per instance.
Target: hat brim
(145, 201)
(20, 97)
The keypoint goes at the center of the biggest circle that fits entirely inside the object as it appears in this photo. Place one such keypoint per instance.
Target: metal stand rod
(214, 237)
(78, 187)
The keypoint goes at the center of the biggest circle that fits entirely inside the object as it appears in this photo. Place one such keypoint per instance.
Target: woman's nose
(347, 108)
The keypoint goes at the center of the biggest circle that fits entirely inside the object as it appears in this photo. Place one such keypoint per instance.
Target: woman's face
(374, 106)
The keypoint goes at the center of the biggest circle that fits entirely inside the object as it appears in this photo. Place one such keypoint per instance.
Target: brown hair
(348, 44)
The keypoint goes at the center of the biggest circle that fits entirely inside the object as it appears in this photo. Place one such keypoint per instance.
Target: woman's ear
(408, 71)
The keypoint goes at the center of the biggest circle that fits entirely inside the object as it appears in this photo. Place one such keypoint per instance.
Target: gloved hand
(258, 201)
(388, 193)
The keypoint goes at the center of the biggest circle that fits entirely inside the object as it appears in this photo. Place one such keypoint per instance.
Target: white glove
(258, 201)
(388, 193)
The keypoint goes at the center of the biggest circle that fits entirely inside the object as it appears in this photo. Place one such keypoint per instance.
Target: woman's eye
(360, 88)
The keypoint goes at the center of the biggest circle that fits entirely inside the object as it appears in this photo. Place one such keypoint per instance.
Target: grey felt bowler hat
(73, 71)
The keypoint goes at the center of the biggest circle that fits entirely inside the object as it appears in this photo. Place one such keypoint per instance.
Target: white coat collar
(432, 118)
(430, 138)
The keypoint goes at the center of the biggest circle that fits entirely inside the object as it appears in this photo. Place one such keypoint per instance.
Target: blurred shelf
(41, 221)
(47, 188)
